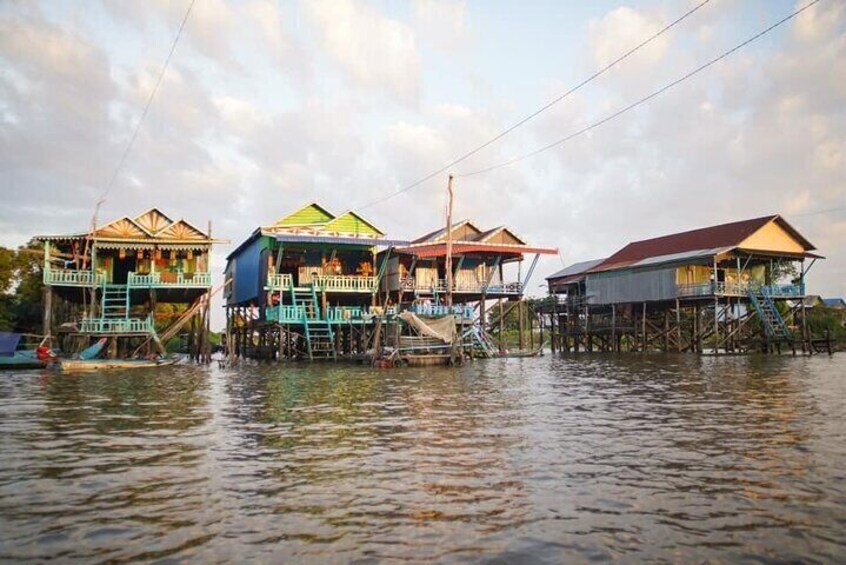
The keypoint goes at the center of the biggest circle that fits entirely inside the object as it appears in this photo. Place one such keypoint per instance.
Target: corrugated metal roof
(728, 235)
(575, 269)
(672, 257)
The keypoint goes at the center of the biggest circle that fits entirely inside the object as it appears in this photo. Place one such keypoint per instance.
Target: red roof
(713, 237)
(439, 249)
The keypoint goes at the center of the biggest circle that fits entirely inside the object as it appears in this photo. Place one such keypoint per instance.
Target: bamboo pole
(449, 244)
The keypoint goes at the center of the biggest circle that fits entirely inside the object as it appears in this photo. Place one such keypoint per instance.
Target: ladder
(774, 324)
(319, 337)
(114, 302)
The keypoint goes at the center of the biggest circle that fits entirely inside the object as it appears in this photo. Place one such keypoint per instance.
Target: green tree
(20, 288)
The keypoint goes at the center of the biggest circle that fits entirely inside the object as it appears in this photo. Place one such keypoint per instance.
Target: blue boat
(12, 359)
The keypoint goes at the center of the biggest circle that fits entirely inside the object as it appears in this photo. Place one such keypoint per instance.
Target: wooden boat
(534, 353)
(91, 365)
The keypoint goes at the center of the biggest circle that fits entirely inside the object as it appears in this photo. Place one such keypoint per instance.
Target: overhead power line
(642, 100)
(542, 109)
(153, 92)
(817, 212)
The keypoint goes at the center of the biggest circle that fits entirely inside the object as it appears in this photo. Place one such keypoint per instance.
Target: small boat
(522, 353)
(89, 365)
(20, 360)
(13, 359)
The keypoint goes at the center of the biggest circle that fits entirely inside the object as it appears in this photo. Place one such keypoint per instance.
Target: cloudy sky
(269, 104)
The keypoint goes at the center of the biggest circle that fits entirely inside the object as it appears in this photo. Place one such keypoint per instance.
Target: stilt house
(726, 274)
(487, 265)
(111, 278)
(296, 281)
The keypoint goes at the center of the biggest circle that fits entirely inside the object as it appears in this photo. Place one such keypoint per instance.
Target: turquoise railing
(439, 286)
(66, 277)
(461, 310)
(344, 283)
(286, 314)
(179, 279)
(297, 314)
(279, 281)
(116, 325)
(710, 288)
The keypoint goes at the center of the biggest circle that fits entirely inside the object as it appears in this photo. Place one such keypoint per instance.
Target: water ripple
(660, 458)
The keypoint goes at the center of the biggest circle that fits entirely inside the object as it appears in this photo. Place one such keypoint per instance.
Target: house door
(122, 268)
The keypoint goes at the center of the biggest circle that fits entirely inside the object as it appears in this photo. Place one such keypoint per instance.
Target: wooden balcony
(67, 277)
(169, 280)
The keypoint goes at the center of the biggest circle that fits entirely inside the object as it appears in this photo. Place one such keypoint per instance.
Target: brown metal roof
(724, 235)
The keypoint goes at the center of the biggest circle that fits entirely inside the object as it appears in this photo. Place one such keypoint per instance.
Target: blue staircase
(774, 324)
(319, 337)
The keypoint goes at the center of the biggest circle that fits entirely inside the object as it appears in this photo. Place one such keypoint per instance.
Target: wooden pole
(613, 327)
(47, 322)
(449, 244)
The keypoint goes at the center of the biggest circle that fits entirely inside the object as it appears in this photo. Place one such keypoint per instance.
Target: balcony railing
(65, 277)
(344, 283)
(711, 288)
(116, 325)
(279, 281)
(168, 280)
(410, 284)
(437, 310)
(287, 314)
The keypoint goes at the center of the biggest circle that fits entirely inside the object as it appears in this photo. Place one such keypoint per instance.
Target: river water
(579, 459)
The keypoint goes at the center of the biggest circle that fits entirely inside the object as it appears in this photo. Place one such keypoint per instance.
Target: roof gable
(501, 234)
(464, 230)
(122, 228)
(309, 214)
(776, 235)
(351, 223)
(153, 220)
(182, 231)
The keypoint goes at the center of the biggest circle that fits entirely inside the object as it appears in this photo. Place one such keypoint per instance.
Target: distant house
(836, 303)
(812, 301)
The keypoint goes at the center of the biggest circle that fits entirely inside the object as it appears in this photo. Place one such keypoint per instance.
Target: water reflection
(552, 459)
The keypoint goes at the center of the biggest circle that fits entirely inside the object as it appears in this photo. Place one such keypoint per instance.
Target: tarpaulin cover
(8, 343)
(441, 328)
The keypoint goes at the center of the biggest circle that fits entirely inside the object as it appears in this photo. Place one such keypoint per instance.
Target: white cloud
(374, 51)
(623, 28)
(442, 23)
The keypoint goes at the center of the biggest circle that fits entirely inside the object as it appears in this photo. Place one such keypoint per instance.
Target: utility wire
(817, 212)
(153, 92)
(542, 109)
(642, 100)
